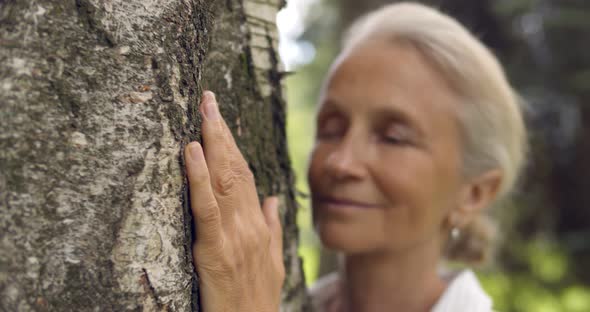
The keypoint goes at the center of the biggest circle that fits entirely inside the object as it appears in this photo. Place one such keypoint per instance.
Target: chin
(342, 238)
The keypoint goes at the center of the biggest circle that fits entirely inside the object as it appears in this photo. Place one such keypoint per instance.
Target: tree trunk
(98, 99)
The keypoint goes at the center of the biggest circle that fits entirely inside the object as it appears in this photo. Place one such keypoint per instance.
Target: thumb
(270, 209)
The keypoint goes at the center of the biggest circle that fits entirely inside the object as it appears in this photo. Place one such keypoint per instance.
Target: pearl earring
(455, 233)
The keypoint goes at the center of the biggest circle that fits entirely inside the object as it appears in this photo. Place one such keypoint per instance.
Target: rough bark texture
(98, 99)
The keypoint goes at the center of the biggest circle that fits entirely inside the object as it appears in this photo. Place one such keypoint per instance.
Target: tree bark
(98, 99)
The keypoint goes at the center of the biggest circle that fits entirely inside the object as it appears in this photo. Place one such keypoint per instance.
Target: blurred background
(543, 262)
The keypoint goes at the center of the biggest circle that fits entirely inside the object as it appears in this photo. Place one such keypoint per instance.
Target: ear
(476, 195)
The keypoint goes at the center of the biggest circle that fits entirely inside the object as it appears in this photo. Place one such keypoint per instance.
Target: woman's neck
(407, 281)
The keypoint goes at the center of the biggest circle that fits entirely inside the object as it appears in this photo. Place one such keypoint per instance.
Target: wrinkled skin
(386, 176)
(238, 247)
(385, 171)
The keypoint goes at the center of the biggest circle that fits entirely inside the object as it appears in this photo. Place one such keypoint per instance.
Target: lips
(343, 203)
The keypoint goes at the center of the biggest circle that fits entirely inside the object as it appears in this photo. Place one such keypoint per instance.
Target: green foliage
(541, 284)
(513, 7)
(548, 263)
(300, 133)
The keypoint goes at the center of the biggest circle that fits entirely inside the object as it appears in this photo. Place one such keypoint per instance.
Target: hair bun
(476, 243)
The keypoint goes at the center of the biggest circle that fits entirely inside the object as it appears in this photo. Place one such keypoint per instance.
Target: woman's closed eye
(331, 127)
(396, 134)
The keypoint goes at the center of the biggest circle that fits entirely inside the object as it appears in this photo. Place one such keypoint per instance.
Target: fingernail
(195, 151)
(210, 105)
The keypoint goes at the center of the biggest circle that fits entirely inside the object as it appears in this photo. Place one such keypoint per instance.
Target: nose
(346, 161)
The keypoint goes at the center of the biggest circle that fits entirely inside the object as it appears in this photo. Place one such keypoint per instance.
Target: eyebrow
(329, 104)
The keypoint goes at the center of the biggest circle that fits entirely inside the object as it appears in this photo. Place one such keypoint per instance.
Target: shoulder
(464, 293)
(324, 292)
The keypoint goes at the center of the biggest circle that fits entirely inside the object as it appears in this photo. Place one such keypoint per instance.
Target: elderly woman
(418, 132)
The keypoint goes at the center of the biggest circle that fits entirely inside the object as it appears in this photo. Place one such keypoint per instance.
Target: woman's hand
(238, 246)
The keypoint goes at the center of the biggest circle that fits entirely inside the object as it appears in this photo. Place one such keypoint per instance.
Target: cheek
(403, 175)
(416, 193)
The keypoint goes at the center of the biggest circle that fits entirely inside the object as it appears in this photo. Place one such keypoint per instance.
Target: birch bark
(98, 99)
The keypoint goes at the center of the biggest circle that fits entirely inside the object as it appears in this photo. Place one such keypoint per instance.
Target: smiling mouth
(338, 203)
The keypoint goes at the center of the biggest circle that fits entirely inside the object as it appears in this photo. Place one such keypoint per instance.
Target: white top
(464, 294)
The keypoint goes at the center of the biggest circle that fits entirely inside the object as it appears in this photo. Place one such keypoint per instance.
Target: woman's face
(385, 168)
